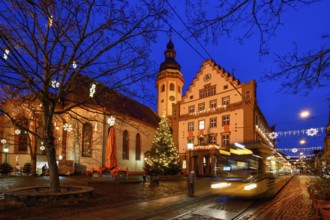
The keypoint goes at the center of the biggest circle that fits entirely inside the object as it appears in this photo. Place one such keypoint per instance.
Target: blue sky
(304, 27)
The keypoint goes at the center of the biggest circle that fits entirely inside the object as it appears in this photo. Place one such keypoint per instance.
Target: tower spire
(170, 62)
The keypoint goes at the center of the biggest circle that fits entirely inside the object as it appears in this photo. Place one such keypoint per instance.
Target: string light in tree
(312, 132)
(92, 90)
(67, 127)
(42, 147)
(6, 53)
(74, 65)
(50, 21)
(17, 131)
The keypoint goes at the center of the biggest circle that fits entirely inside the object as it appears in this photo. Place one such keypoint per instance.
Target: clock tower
(169, 82)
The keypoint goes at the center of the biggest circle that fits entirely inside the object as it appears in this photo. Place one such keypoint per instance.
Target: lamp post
(190, 146)
(6, 150)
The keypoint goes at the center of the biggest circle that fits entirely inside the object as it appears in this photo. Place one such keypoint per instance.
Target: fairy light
(92, 90)
(6, 53)
(74, 65)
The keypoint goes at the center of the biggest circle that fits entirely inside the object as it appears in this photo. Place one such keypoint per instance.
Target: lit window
(201, 125)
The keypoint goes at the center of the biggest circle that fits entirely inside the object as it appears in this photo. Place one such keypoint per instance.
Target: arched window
(21, 140)
(125, 145)
(171, 87)
(87, 140)
(163, 88)
(138, 147)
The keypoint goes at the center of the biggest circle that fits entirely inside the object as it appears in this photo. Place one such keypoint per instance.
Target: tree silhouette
(47, 44)
(300, 71)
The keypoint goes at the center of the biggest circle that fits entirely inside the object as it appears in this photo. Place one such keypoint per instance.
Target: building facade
(215, 112)
(81, 133)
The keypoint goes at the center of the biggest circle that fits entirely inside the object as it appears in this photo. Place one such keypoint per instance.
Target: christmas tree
(164, 157)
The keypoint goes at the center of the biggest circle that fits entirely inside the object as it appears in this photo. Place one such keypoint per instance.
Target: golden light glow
(304, 114)
(302, 141)
(250, 186)
(224, 152)
(220, 185)
(240, 151)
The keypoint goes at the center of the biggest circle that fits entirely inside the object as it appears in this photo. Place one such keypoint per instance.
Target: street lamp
(190, 146)
(304, 114)
(6, 150)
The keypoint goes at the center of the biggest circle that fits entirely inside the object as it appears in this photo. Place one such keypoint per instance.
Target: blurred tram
(250, 171)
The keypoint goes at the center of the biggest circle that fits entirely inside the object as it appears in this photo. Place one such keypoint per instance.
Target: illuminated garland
(296, 149)
(308, 132)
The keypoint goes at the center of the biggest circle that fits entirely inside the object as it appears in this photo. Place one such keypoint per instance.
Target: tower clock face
(207, 77)
(172, 98)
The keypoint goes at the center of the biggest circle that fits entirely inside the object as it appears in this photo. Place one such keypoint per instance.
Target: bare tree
(47, 44)
(299, 71)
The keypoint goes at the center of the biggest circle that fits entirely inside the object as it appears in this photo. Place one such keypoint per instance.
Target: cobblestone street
(165, 201)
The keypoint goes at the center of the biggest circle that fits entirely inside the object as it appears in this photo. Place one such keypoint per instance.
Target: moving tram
(250, 171)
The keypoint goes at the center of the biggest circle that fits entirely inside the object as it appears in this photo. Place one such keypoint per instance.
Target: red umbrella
(111, 150)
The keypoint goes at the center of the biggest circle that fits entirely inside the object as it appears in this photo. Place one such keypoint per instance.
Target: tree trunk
(54, 181)
(33, 165)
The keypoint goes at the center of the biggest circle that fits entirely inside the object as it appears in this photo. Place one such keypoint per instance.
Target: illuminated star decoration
(42, 147)
(294, 150)
(111, 121)
(312, 132)
(5, 55)
(55, 84)
(273, 135)
(3, 141)
(17, 131)
(67, 127)
(92, 90)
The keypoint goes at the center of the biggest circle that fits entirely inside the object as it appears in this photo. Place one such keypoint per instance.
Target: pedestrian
(155, 179)
(144, 178)
(191, 183)
(43, 170)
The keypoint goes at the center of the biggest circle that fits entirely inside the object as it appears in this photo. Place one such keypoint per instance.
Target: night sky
(304, 27)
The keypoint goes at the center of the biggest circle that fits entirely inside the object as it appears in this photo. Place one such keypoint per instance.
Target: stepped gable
(219, 70)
